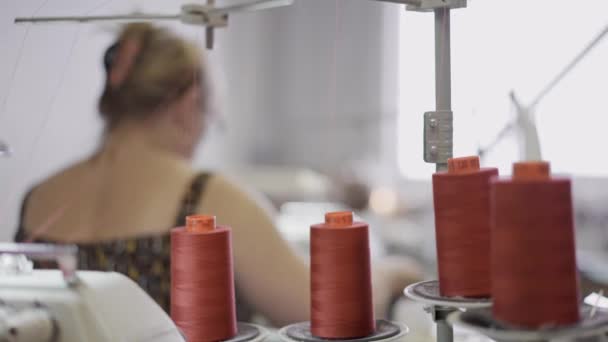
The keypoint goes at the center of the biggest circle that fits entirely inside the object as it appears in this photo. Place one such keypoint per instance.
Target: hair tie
(123, 61)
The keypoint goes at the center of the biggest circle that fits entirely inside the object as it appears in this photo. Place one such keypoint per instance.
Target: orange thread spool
(534, 275)
(341, 287)
(202, 280)
(461, 199)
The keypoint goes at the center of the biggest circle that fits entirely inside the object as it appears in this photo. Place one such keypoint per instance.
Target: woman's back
(118, 207)
(126, 190)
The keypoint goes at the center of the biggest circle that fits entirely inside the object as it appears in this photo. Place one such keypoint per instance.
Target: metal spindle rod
(97, 17)
(443, 70)
(445, 333)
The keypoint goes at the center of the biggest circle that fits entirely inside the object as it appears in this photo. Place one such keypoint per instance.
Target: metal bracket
(439, 313)
(438, 131)
(196, 14)
(431, 5)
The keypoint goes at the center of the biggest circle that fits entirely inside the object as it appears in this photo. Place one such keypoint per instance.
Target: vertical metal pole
(443, 69)
(444, 331)
(209, 30)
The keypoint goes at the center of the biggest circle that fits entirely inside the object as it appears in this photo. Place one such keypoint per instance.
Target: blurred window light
(499, 46)
(383, 201)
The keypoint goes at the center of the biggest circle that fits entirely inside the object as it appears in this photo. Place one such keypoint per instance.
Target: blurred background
(320, 106)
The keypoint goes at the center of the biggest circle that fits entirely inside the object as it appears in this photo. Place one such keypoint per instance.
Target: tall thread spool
(534, 275)
(461, 198)
(202, 280)
(341, 287)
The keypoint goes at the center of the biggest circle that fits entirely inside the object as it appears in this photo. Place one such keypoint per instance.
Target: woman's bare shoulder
(57, 184)
(47, 197)
(105, 200)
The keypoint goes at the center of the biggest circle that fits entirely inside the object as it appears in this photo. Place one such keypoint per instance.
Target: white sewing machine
(66, 305)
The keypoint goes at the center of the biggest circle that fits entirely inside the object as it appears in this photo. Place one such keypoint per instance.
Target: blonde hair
(157, 69)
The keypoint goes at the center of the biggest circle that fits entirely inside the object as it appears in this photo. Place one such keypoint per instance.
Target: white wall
(313, 84)
(334, 81)
(499, 46)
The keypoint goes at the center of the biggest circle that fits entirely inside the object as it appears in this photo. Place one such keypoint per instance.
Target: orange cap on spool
(200, 223)
(531, 170)
(339, 218)
(463, 164)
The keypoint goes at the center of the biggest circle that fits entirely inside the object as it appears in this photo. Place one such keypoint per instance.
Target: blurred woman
(119, 204)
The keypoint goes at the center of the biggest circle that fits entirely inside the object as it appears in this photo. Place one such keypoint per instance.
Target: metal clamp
(196, 14)
(438, 131)
(64, 255)
(431, 5)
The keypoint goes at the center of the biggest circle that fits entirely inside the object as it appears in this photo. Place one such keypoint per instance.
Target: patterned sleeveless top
(146, 260)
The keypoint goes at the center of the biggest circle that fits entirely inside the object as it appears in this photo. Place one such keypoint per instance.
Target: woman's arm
(269, 274)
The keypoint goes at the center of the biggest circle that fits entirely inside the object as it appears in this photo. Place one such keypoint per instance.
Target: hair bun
(146, 67)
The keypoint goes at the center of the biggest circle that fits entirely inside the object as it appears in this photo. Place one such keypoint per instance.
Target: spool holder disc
(482, 321)
(246, 332)
(427, 292)
(385, 331)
